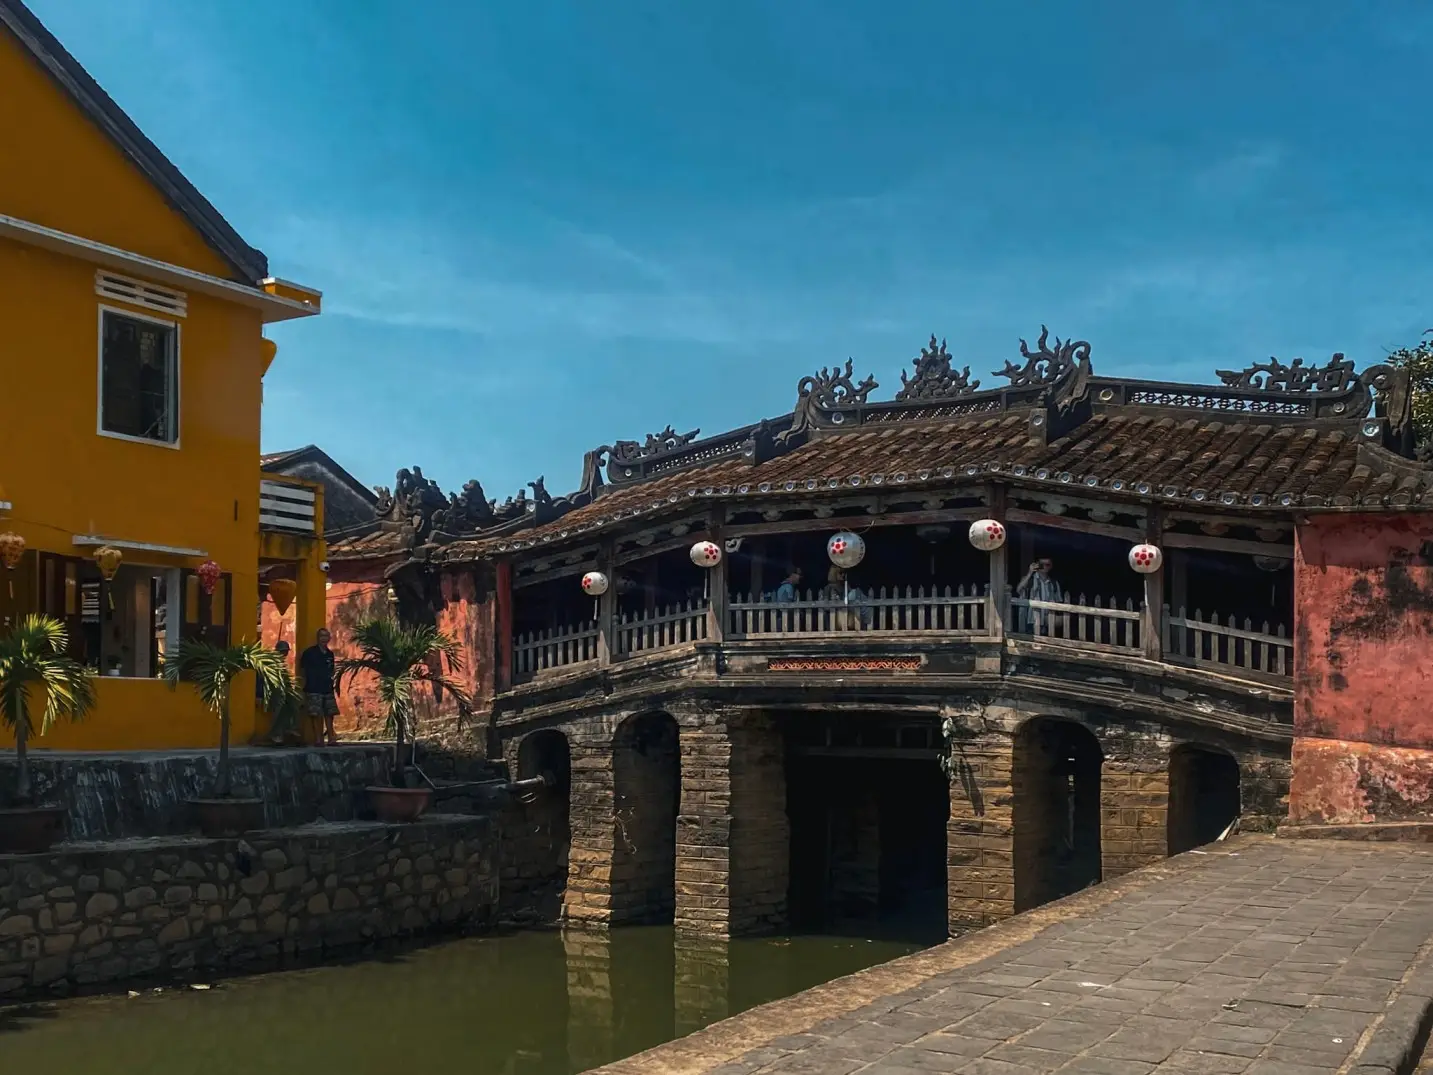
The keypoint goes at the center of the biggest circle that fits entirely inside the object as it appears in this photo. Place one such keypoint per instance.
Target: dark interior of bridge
(1056, 790)
(868, 805)
(1203, 796)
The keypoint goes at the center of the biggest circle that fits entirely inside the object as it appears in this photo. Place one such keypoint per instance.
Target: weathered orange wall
(357, 591)
(1363, 668)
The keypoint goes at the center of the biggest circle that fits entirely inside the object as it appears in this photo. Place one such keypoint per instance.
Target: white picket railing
(557, 647)
(1227, 647)
(950, 611)
(1077, 620)
(641, 632)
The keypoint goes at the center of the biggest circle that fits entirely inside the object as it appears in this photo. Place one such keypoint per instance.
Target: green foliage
(211, 669)
(1418, 361)
(34, 658)
(400, 657)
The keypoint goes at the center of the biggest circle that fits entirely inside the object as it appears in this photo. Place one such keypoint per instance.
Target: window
(118, 628)
(139, 378)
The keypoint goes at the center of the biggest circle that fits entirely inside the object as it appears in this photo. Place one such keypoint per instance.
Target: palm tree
(400, 657)
(34, 660)
(212, 670)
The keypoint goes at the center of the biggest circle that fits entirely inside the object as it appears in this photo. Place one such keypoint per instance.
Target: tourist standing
(320, 693)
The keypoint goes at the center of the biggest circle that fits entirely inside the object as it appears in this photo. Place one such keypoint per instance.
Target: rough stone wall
(92, 916)
(733, 837)
(587, 899)
(980, 888)
(537, 836)
(1134, 797)
(1363, 592)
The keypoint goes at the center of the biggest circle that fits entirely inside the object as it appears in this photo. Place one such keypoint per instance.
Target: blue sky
(543, 226)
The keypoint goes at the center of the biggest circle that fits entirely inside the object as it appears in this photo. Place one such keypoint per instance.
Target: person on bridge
(1038, 585)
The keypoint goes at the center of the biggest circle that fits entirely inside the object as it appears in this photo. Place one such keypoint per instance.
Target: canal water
(535, 1003)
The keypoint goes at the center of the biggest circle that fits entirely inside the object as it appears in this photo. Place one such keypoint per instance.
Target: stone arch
(1204, 795)
(1055, 791)
(646, 784)
(540, 843)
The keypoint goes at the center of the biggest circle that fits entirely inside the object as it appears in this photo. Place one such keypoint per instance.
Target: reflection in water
(535, 1003)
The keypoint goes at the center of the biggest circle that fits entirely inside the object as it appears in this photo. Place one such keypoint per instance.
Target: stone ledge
(1414, 832)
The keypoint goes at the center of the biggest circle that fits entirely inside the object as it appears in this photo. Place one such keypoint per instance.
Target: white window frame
(133, 315)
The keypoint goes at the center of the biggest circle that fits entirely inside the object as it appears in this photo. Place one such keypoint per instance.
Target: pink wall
(1363, 723)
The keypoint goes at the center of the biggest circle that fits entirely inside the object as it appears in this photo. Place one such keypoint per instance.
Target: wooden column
(607, 603)
(1151, 625)
(503, 598)
(717, 581)
(996, 604)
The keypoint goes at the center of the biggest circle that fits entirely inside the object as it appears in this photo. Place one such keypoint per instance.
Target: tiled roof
(372, 545)
(1236, 462)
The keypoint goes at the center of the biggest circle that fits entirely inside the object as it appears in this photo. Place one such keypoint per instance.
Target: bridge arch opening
(1055, 781)
(1203, 795)
(646, 779)
(868, 806)
(544, 844)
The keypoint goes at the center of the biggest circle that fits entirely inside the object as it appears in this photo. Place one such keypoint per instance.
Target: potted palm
(400, 658)
(212, 669)
(36, 673)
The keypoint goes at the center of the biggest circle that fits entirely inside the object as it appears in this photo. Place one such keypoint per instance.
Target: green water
(534, 1003)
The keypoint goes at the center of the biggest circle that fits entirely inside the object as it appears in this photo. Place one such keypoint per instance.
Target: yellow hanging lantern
(12, 547)
(108, 559)
(281, 593)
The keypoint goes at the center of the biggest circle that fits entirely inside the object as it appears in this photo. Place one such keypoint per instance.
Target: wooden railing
(914, 611)
(1099, 624)
(539, 651)
(1105, 626)
(661, 628)
(1227, 647)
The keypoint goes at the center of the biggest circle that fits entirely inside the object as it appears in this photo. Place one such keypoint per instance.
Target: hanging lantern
(987, 535)
(594, 584)
(846, 549)
(281, 593)
(108, 559)
(12, 547)
(208, 573)
(1146, 559)
(706, 554)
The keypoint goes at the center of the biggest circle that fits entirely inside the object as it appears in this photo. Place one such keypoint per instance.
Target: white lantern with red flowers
(594, 584)
(1146, 559)
(706, 554)
(987, 535)
(846, 549)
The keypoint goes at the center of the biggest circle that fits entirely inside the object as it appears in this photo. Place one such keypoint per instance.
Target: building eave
(273, 307)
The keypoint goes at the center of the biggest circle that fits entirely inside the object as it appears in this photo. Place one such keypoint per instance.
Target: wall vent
(134, 292)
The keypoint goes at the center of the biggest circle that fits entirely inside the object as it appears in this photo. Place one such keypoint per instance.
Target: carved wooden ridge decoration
(935, 377)
(1045, 366)
(843, 664)
(825, 390)
(629, 451)
(1276, 376)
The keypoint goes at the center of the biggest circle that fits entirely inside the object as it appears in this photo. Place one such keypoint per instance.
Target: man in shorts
(320, 696)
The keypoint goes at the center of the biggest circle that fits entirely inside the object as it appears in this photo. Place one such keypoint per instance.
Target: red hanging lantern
(208, 573)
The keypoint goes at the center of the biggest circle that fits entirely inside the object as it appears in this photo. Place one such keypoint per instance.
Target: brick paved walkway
(1264, 958)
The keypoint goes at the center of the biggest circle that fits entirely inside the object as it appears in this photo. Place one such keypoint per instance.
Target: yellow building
(131, 380)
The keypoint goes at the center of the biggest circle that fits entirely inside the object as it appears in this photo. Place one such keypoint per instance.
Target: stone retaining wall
(87, 916)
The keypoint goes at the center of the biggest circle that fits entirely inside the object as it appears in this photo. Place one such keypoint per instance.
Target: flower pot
(399, 805)
(227, 817)
(27, 829)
